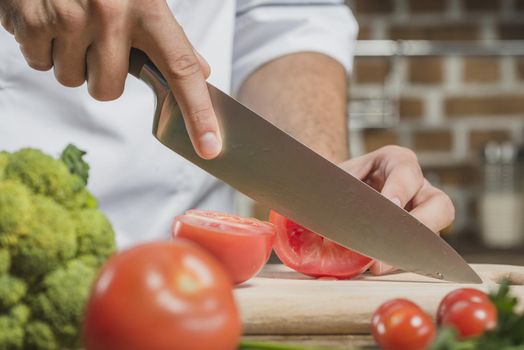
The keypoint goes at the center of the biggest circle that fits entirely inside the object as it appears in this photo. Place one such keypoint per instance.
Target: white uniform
(140, 184)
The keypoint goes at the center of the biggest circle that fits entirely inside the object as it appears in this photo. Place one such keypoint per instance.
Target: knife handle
(137, 60)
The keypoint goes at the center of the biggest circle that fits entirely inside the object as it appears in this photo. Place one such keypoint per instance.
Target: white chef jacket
(140, 184)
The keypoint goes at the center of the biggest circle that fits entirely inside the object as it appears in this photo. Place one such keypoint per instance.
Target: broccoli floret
(39, 336)
(44, 175)
(4, 158)
(12, 290)
(5, 261)
(94, 232)
(12, 327)
(51, 241)
(61, 303)
(16, 211)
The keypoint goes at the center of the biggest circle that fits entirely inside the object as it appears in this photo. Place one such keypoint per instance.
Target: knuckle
(183, 66)
(72, 18)
(449, 207)
(200, 117)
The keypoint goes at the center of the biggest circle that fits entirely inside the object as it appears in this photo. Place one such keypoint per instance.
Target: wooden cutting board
(281, 301)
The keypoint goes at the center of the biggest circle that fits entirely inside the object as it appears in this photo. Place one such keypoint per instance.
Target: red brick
(484, 105)
(511, 31)
(411, 107)
(364, 33)
(520, 68)
(459, 175)
(425, 70)
(444, 32)
(432, 140)
(482, 5)
(478, 138)
(371, 70)
(481, 69)
(375, 139)
(373, 7)
(427, 6)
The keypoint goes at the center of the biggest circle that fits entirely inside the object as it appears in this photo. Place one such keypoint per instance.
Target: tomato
(242, 245)
(312, 254)
(162, 296)
(460, 294)
(401, 325)
(470, 318)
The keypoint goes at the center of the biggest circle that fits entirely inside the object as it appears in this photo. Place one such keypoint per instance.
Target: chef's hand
(395, 172)
(91, 40)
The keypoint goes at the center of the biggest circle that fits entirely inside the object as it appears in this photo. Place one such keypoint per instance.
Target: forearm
(305, 95)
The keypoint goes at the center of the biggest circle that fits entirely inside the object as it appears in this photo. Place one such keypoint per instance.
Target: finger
(35, 39)
(379, 268)
(69, 59)
(206, 70)
(433, 208)
(402, 182)
(107, 67)
(170, 50)
(360, 167)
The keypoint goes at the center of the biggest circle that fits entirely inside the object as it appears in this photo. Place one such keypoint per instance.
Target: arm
(305, 95)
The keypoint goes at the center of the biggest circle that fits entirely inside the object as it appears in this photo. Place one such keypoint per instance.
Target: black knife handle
(137, 60)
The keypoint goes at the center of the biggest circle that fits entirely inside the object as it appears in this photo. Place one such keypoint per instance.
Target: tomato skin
(313, 255)
(469, 318)
(242, 245)
(460, 294)
(401, 325)
(162, 296)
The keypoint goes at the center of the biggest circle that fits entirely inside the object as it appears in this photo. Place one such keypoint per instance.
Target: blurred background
(446, 79)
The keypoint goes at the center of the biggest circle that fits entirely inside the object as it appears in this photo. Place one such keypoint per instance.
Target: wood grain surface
(280, 301)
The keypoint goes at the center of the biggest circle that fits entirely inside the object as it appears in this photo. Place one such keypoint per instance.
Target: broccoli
(53, 240)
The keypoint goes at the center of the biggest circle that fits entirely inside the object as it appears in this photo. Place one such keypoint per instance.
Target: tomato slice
(242, 245)
(313, 255)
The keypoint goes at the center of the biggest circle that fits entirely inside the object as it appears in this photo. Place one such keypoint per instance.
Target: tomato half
(452, 297)
(401, 325)
(162, 296)
(312, 254)
(242, 245)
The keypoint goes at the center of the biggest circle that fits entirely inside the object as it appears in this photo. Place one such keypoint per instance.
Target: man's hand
(91, 40)
(395, 172)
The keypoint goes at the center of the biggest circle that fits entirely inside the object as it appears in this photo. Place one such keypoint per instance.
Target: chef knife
(270, 166)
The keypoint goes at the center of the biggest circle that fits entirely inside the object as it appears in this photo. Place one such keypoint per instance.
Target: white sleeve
(267, 29)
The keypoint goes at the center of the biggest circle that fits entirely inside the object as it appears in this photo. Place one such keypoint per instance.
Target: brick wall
(449, 106)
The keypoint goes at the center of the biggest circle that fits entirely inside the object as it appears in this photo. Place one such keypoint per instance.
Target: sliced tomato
(313, 255)
(242, 245)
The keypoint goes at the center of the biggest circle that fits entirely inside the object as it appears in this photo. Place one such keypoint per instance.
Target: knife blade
(270, 166)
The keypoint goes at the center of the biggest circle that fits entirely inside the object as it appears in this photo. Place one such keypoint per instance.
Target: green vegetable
(53, 239)
(508, 335)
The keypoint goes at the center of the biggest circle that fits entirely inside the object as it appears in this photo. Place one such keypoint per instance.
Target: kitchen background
(446, 78)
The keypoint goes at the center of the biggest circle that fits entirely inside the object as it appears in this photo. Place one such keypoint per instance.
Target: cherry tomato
(312, 254)
(460, 294)
(470, 318)
(162, 296)
(401, 325)
(242, 245)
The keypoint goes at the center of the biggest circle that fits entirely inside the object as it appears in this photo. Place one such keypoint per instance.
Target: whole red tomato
(313, 255)
(162, 296)
(470, 318)
(460, 294)
(242, 245)
(401, 325)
